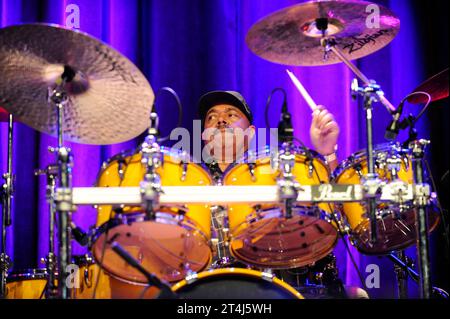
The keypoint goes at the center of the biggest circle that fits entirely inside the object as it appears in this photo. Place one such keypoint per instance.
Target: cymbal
(109, 99)
(4, 115)
(292, 35)
(436, 87)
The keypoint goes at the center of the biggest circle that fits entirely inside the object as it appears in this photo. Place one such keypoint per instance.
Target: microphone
(80, 236)
(166, 292)
(285, 129)
(394, 126)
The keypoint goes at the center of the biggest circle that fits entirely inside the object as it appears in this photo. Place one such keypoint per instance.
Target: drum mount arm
(152, 159)
(288, 187)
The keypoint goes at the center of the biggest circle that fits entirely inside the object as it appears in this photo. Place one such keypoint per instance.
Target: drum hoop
(131, 152)
(266, 152)
(28, 274)
(240, 272)
(359, 156)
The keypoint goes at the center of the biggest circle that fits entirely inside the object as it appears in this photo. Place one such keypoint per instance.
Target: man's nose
(221, 120)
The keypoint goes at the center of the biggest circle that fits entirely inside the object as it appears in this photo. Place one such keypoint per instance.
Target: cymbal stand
(51, 172)
(6, 199)
(371, 182)
(63, 196)
(421, 201)
(406, 265)
(371, 93)
(402, 275)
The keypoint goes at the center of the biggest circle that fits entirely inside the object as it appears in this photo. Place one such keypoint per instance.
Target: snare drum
(234, 283)
(28, 284)
(261, 236)
(396, 226)
(174, 242)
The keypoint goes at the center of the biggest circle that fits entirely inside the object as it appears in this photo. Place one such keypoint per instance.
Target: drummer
(226, 110)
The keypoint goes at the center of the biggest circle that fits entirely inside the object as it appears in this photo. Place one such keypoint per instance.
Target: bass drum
(261, 236)
(234, 283)
(175, 242)
(396, 225)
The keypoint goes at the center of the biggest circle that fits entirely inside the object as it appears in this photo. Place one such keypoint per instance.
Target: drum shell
(171, 173)
(240, 175)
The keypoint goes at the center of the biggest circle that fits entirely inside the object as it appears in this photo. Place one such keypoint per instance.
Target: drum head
(397, 231)
(161, 246)
(279, 242)
(233, 283)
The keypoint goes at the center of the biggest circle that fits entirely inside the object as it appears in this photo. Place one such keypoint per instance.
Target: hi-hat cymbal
(109, 99)
(436, 87)
(291, 36)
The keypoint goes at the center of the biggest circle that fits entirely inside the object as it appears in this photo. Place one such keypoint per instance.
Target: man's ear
(253, 131)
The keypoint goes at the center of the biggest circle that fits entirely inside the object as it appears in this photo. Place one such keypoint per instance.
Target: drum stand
(51, 173)
(220, 241)
(6, 200)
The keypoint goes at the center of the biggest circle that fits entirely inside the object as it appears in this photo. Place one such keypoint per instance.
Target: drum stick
(302, 91)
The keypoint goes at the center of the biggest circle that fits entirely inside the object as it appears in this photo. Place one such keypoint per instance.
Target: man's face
(228, 129)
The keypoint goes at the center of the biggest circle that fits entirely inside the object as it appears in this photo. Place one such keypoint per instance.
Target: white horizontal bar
(223, 195)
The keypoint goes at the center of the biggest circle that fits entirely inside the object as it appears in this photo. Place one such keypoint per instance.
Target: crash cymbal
(292, 35)
(109, 99)
(436, 87)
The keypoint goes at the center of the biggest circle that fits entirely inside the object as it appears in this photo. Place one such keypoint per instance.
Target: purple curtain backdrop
(193, 47)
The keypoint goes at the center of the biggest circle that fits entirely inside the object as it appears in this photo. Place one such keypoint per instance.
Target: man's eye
(232, 115)
(211, 117)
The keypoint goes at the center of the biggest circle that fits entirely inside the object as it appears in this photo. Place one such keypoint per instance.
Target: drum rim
(359, 155)
(239, 272)
(266, 151)
(28, 274)
(173, 152)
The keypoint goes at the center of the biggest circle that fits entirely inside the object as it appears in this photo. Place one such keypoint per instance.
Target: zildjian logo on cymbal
(359, 43)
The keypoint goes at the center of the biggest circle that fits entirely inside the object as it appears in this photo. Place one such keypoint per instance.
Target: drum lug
(191, 277)
(405, 161)
(120, 169)
(87, 279)
(251, 169)
(310, 168)
(184, 171)
(268, 275)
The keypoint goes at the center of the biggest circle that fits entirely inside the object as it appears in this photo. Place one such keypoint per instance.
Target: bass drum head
(234, 283)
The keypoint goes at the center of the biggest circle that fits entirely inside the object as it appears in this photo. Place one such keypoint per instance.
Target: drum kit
(165, 228)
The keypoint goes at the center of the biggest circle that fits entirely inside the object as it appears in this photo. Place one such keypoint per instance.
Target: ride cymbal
(292, 36)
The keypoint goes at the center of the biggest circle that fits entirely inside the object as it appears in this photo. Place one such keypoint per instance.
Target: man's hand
(324, 131)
